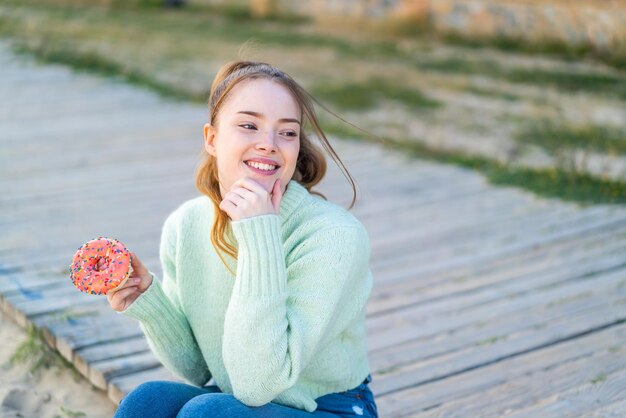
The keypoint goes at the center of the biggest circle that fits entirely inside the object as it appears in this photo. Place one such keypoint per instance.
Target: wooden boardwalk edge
(131, 354)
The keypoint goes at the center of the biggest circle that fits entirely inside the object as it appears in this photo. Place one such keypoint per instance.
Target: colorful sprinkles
(115, 266)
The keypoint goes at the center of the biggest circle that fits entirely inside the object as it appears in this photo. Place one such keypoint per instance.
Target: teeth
(261, 166)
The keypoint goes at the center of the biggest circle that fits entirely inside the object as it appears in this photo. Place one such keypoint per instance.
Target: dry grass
(177, 53)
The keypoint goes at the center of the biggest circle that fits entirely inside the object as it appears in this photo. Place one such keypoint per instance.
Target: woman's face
(257, 135)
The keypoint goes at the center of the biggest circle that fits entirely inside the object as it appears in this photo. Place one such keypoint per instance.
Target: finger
(227, 205)
(277, 195)
(249, 184)
(235, 198)
(116, 295)
(138, 268)
(243, 193)
(145, 284)
(121, 294)
(130, 281)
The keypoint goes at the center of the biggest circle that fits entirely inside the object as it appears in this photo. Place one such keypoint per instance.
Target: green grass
(366, 95)
(568, 299)
(606, 84)
(554, 138)
(571, 81)
(546, 182)
(94, 63)
(234, 11)
(480, 324)
(423, 28)
(551, 183)
(241, 13)
(65, 35)
(68, 27)
(70, 414)
(210, 24)
(388, 370)
(479, 91)
(615, 56)
(599, 378)
(35, 353)
(575, 187)
(492, 340)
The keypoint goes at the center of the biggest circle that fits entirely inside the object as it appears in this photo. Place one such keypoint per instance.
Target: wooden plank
(437, 287)
(512, 401)
(430, 262)
(610, 410)
(423, 212)
(28, 284)
(369, 202)
(509, 222)
(92, 218)
(498, 343)
(488, 285)
(483, 237)
(56, 127)
(69, 316)
(485, 288)
(515, 398)
(120, 386)
(23, 309)
(101, 372)
(87, 326)
(448, 306)
(72, 322)
(532, 259)
(450, 392)
(395, 358)
(602, 389)
(63, 184)
(86, 356)
(413, 326)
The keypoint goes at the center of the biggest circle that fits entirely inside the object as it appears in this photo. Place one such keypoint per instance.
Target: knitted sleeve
(163, 322)
(280, 316)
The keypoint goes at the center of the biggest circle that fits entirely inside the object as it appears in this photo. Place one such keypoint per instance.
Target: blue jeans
(161, 399)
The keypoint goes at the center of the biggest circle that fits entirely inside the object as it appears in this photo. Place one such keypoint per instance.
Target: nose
(267, 142)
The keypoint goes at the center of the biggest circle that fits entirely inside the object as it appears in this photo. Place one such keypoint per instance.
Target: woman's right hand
(122, 297)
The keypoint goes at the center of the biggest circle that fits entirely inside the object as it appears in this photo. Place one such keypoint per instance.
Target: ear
(209, 138)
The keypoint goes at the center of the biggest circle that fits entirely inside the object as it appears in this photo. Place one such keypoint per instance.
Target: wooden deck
(488, 301)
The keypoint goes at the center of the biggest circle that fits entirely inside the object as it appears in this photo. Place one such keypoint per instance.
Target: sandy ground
(54, 392)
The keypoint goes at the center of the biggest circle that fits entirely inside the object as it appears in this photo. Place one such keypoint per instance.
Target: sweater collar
(294, 195)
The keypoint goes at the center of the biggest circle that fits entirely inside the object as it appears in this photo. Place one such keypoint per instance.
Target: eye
(247, 126)
(290, 134)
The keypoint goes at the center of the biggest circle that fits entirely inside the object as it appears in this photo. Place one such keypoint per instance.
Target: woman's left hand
(247, 198)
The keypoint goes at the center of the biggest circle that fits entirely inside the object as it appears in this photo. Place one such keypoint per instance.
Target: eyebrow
(260, 116)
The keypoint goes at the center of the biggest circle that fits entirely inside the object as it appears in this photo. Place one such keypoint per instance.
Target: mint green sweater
(290, 327)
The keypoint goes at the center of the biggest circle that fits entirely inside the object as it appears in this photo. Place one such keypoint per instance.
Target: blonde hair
(310, 166)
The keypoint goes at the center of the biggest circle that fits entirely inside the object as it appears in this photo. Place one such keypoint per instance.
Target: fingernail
(137, 280)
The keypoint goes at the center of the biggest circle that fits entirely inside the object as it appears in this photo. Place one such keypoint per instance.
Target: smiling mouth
(261, 166)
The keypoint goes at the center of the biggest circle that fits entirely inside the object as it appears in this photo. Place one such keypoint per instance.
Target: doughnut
(114, 269)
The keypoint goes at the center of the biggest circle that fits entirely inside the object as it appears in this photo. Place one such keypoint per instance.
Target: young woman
(264, 282)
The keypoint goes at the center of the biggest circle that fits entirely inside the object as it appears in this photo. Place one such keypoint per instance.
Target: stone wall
(321, 8)
(601, 23)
